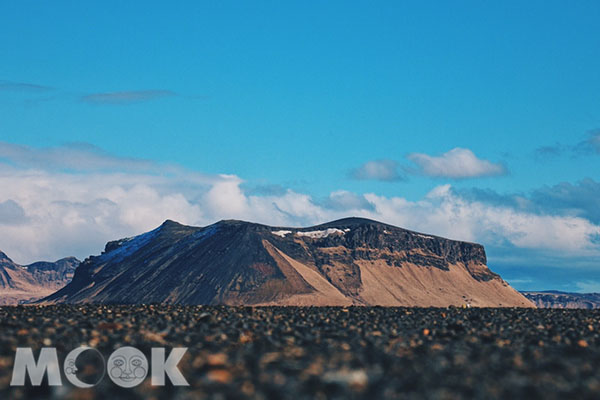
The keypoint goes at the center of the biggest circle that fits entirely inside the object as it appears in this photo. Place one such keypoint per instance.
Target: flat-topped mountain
(352, 261)
(20, 283)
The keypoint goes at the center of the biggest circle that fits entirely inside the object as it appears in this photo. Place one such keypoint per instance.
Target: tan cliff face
(352, 261)
(19, 284)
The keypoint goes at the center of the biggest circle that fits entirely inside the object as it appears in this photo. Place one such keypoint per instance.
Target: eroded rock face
(19, 284)
(350, 261)
(555, 299)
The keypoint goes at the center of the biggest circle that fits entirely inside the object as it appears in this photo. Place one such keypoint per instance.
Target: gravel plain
(322, 352)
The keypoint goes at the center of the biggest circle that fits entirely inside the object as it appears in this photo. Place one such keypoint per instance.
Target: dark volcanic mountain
(556, 299)
(350, 261)
(24, 283)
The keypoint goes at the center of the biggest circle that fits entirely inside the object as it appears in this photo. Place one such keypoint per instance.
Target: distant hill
(556, 299)
(352, 261)
(20, 283)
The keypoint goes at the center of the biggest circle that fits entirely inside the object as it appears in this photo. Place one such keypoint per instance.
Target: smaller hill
(556, 299)
(21, 284)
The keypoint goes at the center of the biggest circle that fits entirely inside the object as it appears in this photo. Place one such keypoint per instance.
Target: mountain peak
(22, 283)
(169, 223)
(4, 257)
(350, 261)
(234, 222)
(351, 222)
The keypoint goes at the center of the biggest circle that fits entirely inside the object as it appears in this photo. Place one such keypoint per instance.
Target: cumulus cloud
(264, 189)
(126, 97)
(444, 212)
(379, 170)
(69, 213)
(11, 213)
(580, 199)
(457, 163)
(344, 200)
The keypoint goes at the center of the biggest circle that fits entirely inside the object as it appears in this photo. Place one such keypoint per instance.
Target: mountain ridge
(24, 283)
(559, 299)
(348, 261)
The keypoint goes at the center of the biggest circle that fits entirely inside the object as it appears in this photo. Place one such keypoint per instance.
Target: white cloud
(588, 286)
(347, 201)
(457, 163)
(76, 213)
(443, 212)
(11, 213)
(379, 170)
(226, 198)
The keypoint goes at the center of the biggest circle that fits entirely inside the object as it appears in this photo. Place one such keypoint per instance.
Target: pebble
(324, 352)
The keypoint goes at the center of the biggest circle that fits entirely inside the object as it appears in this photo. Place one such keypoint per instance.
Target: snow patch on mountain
(281, 233)
(321, 234)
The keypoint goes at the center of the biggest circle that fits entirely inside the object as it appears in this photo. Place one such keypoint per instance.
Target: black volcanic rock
(350, 261)
(297, 353)
(556, 299)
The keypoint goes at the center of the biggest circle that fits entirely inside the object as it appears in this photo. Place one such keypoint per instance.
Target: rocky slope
(20, 284)
(556, 299)
(352, 261)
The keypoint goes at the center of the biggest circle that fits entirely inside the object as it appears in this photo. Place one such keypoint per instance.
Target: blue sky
(476, 121)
